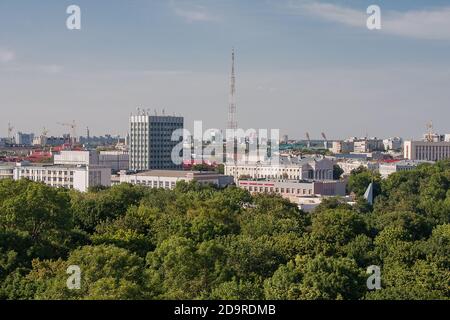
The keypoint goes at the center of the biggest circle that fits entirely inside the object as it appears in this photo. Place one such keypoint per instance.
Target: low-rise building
(424, 150)
(167, 179)
(69, 157)
(447, 137)
(387, 169)
(349, 165)
(79, 177)
(368, 145)
(287, 168)
(294, 188)
(395, 144)
(116, 160)
(342, 147)
(7, 170)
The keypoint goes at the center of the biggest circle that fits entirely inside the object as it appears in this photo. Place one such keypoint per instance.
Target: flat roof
(174, 173)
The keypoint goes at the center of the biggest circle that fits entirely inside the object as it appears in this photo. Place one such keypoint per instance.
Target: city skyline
(301, 66)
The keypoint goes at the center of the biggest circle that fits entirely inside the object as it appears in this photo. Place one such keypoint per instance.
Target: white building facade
(387, 169)
(287, 168)
(79, 177)
(167, 179)
(150, 141)
(428, 151)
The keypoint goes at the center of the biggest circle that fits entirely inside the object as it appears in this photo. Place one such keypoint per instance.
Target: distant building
(368, 145)
(150, 141)
(387, 169)
(40, 140)
(24, 139)
(394, 144)
(342, 147)
(116, 160)
(55, 141)
(433, 137)
(350, 165)
(7, 170)
(167, 179)
(287, 168)
(65, 176)
(69, 157)
(429, 151)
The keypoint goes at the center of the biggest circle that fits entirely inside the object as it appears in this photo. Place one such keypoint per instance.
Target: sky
(301, 65)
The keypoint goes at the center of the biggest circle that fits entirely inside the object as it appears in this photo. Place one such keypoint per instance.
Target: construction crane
(325, 142)
(309, 140)
(73, 130)
(44, 132)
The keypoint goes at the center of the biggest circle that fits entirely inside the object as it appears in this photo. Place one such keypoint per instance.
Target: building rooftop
(174, 173)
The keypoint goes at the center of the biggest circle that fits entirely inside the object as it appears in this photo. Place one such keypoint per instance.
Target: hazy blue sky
(301, 65)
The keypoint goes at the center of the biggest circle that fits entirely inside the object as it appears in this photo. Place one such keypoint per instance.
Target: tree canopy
(201, 242)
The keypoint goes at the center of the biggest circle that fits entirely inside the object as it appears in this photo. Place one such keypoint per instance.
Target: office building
(151, 142)
(167, 179)
(79, 177)
(294, 188)
(424, 150)
(292, 168)
(117, 160)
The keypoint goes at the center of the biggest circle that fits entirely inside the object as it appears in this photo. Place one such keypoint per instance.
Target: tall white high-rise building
(150, 141)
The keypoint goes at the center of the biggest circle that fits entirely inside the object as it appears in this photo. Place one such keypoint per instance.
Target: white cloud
(433, 24)
(426, 24)
(192, 13)
(334, 13)
(6, 55)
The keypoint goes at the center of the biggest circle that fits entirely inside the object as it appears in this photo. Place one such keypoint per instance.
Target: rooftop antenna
(430, 131)
(232, 121)
(10, 129)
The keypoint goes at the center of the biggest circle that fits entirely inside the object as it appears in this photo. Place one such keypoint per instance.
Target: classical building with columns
(317, 168)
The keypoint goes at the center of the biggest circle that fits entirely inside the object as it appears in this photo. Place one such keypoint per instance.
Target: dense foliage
(198, 242)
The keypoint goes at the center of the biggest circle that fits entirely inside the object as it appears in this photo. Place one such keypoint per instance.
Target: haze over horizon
(301, 65)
